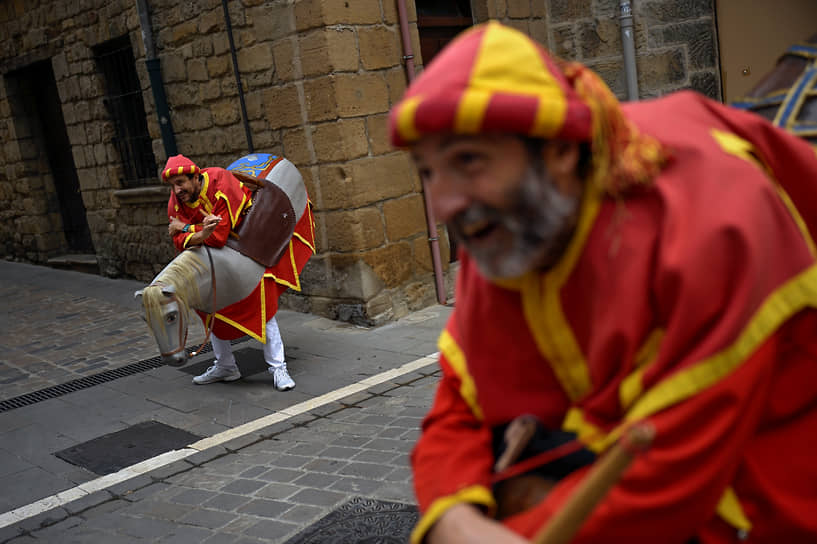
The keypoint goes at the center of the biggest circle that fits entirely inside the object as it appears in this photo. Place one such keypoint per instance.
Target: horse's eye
(170, 318)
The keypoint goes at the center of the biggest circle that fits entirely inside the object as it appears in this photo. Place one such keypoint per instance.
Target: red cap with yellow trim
(491, 78)
(178, 165)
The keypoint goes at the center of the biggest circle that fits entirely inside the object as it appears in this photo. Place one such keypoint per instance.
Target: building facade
(96, 94)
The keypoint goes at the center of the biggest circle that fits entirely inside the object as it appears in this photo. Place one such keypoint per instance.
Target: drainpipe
(431, 223)
(237, 76)
(155, 76)
(628, 47)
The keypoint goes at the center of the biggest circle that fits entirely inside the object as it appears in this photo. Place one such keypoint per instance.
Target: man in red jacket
(650, 262)
(204, 207)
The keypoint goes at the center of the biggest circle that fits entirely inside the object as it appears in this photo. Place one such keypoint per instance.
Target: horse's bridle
(182, 334)
(207, 330)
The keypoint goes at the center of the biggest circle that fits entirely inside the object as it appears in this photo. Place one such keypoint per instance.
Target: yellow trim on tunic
(731, 511)
(798, 219)
(456, 358)
(587, 433)
(187, 239)
(297, 286)
(234, 214)
(202, 200)
(512, 284)
(305, 241)
(796, 294)
(555, 340)
(737, 146)
(263, 337)
(475, 494)
(631, 387)
(543, 307)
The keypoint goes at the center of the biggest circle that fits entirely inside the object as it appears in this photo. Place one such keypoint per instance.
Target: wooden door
(753, 34)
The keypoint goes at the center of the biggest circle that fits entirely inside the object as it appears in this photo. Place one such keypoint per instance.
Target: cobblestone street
(269, 466)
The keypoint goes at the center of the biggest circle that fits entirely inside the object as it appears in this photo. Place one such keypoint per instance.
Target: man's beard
(190, 197)
(537, 225)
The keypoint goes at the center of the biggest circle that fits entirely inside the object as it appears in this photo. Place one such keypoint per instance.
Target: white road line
(103, 482)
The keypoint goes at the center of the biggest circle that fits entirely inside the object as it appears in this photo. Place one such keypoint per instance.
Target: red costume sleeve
(452, 461)
(174, 209)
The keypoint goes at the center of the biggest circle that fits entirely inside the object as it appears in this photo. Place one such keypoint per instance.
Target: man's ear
(562, 161)
(561, 156)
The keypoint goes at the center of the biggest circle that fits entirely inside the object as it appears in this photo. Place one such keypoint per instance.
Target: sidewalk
(260, 466)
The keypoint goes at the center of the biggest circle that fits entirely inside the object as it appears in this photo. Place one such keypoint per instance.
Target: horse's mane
(181, 274)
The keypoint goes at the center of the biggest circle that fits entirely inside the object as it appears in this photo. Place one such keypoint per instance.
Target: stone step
(78, 262)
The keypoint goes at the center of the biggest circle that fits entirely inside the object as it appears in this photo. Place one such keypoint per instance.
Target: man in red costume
(204, 207)
(650, 262)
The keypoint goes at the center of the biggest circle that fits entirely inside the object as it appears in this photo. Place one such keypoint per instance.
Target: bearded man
(650, 262)
(205, 206)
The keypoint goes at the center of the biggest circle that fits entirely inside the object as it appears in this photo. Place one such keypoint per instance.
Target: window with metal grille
(123, 100)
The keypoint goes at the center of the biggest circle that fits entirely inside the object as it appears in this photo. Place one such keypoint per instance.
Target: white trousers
(273, 349)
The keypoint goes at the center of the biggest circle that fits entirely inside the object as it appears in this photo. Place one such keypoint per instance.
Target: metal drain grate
(361, 521)
(95, 379)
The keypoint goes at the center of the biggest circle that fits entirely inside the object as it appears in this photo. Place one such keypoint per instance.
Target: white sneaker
(217, 374)
(281, 378)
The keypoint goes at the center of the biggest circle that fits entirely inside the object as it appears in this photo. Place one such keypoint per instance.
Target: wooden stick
(248, 179)
(604, 474)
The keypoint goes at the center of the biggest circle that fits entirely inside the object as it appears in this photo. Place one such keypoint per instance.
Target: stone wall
(331, 107)
(318, 79)
(62, 34)
(528, 16)
(29, 227)
(675, 40)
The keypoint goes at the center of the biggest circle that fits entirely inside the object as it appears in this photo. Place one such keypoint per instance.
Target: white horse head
(187, 284)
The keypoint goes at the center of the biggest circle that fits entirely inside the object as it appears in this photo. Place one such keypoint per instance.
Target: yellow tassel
(622, 156)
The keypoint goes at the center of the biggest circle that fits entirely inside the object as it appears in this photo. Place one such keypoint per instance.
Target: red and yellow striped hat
(493, 78)
(177, 165)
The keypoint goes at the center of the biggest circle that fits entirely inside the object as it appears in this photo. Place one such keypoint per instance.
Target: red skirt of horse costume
(249, 315)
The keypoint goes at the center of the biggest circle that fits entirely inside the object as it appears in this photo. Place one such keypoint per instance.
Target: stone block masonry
(318, 78)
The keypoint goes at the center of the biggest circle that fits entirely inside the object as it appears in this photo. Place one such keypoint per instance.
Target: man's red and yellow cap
(491, 78)
(178, 165)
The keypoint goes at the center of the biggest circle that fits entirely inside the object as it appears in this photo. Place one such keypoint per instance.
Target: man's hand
(209, 224)
(464, 523)
(175, 227)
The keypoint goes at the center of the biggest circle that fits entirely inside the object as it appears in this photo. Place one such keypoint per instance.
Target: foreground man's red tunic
(689, 303)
